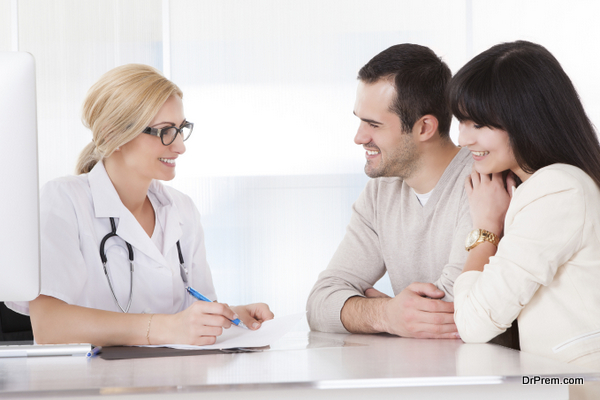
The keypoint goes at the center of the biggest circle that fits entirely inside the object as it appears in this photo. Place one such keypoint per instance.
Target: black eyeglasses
(168, 134)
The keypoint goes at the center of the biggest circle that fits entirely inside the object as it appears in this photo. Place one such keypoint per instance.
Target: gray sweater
(390, 231)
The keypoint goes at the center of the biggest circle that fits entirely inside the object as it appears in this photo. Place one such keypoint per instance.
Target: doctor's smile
(170, 162)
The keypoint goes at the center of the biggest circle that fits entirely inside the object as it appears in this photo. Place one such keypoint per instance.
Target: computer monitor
(19, 193)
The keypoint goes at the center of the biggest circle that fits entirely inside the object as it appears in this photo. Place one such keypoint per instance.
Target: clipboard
(233, 340)
(129, 352)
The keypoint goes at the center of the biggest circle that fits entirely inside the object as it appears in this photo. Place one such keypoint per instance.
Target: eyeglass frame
(158, 132)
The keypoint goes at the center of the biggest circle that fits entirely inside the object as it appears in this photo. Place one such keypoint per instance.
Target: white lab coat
(74, 218)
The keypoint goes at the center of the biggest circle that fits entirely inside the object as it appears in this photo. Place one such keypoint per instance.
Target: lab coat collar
(167, 211)
(107, 203)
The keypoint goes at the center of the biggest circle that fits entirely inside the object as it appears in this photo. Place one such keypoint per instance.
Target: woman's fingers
(202, 322)
(219, 309)
(254, 314)
(488, 200)
(475, 178)
(209, 318)
(511, 183)
(497, 179)
(468, 185)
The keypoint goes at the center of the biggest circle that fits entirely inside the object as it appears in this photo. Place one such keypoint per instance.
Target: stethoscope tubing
(183, 271)
(104, 259)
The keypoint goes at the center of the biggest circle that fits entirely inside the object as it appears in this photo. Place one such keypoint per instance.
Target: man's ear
(425, 127)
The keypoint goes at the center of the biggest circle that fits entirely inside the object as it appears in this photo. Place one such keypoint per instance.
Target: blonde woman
(119, 249)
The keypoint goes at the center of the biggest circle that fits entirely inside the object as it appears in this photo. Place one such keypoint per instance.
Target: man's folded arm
(355, 267)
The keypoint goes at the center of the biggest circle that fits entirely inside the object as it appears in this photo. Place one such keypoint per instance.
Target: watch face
(472, 238)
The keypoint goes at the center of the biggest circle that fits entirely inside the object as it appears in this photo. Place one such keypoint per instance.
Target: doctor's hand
(253, 315)
(199, 324)
(417, 312)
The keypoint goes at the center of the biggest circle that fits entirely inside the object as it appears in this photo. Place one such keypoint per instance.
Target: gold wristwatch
(478, 236)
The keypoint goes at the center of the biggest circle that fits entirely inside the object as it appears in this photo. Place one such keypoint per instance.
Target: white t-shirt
(423, 197)
(74, 217)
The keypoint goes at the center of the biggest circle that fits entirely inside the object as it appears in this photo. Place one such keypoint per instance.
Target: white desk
(301, 365)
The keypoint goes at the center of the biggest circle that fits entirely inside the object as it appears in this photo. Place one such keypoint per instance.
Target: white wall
(270, 87)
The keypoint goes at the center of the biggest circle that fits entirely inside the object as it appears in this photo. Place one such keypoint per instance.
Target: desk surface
(299, 361)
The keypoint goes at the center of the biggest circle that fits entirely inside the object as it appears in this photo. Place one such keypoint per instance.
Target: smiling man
(413, 216)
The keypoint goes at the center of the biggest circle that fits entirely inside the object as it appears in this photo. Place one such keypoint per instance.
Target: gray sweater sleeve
(458, 253)
(356, 266)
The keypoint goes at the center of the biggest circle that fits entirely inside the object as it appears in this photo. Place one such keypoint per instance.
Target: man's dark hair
(420, 78)
(521, 88)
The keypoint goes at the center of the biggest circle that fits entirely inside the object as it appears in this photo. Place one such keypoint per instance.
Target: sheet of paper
(234, 337)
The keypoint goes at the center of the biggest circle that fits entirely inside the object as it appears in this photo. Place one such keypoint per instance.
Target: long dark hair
(521, 88)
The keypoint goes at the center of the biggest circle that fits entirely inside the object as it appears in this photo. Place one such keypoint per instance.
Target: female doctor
(115, 214)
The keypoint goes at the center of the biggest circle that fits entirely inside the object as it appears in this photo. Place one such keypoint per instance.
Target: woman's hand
(489, 200)
(253, 315)
(199, 324)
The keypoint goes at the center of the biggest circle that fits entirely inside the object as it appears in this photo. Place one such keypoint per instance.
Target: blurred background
(270, 87)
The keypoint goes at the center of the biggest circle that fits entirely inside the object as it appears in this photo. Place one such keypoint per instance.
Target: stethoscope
(182, 270)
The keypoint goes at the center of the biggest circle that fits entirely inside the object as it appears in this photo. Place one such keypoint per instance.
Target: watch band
(482, 236)
(489, 237)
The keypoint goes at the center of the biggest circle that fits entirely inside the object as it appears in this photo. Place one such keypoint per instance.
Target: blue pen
(199, 296)
(94, 351)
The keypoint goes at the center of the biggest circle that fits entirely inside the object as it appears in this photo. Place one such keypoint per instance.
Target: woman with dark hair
(534, 253)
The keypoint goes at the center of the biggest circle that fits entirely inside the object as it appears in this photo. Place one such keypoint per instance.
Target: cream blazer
(546, 271)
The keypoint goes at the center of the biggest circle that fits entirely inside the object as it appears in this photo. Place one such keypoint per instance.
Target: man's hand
(415, 312)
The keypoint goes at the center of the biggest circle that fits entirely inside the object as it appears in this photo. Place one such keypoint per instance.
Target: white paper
(234, 337)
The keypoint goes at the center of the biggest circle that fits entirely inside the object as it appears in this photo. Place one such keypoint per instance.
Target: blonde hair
(119, 107)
